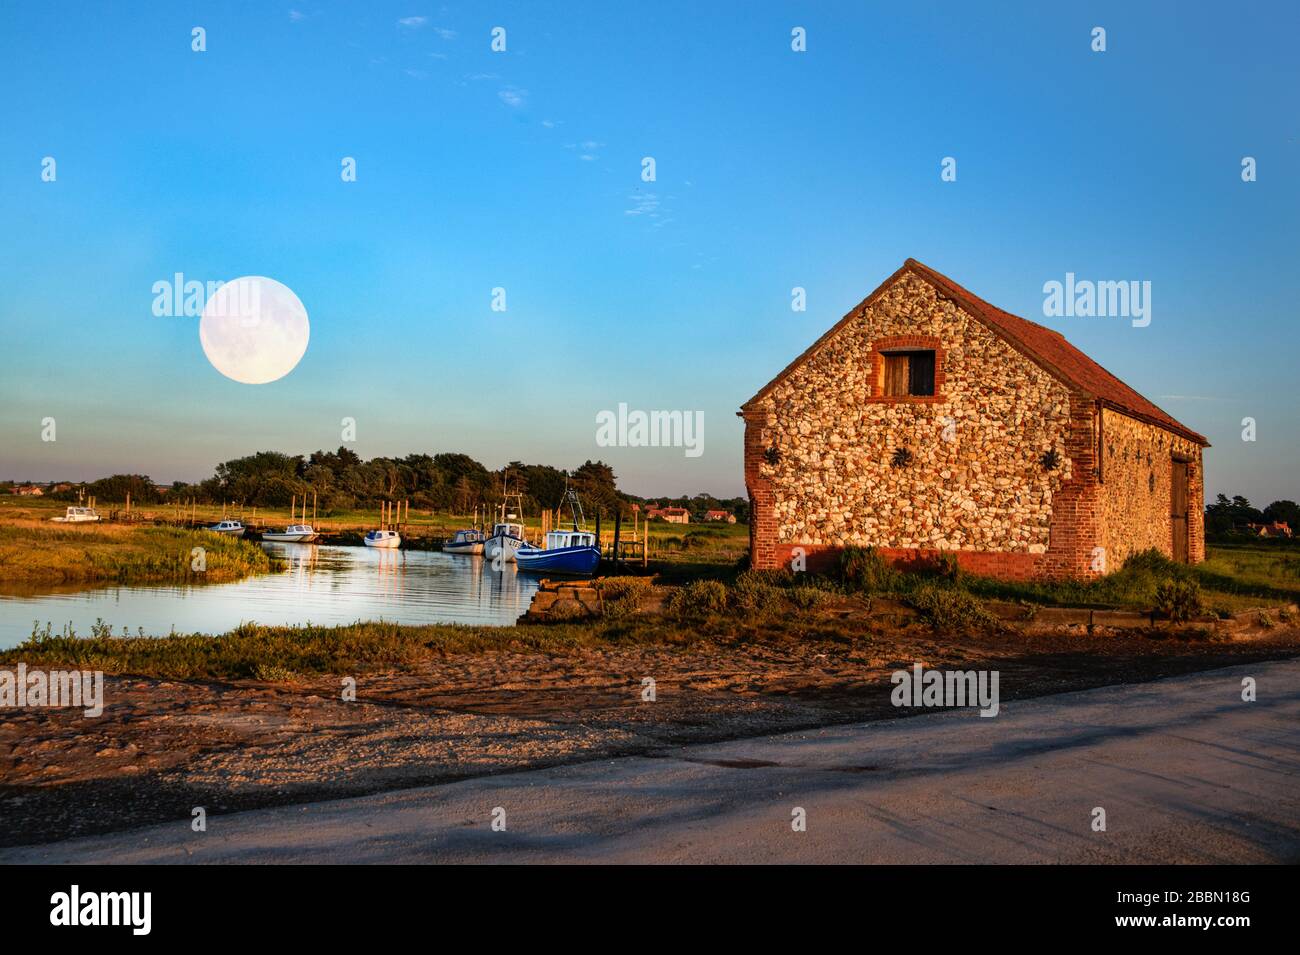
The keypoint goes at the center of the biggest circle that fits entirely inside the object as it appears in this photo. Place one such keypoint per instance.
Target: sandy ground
(1186, 771)
(162, 748)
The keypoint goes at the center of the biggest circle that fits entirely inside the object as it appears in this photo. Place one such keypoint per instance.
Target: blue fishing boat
(574, 551)
(566, 552)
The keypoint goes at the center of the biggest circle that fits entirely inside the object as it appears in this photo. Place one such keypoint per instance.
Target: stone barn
(928, 420)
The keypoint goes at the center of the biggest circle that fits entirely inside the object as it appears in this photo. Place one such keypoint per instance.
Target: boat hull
(580, 561)
(503, 548)
(471, 549)
(384, 543)
(290, 538)
(238, 532)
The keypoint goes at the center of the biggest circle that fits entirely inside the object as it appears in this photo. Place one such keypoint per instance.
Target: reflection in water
(322, 585)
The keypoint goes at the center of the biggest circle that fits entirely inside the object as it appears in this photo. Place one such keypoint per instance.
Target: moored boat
(77, 515)
(468, 541)
(293, 534)
(566, 552)
(383, 539)
(573, 551)
(508, 532)
(228, 528)
(505, 542)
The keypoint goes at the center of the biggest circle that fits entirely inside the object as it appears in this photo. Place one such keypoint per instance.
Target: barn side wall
(1136, 489)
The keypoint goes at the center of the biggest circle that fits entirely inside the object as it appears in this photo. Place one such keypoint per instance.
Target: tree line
(341, 481)
(1228, 515)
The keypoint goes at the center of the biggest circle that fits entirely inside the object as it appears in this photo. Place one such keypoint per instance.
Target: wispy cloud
(648, 207)
(413, 23)
(513, 96)
(296, 16)
(445, 33)
(643, 204)
(416, 74)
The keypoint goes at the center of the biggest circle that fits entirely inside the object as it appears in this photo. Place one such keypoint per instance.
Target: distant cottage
(717, 515)
(928, 420)
(1274, 529)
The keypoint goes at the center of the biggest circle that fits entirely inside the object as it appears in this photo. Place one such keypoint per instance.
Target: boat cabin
(556, 540)
(508, 530)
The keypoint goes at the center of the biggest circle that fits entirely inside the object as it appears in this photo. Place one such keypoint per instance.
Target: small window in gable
(909, 373)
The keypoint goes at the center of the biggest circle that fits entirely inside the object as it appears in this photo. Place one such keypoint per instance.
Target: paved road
(1185, 770)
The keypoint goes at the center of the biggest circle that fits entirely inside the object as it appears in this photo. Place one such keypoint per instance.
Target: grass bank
(278, 653)
(49, 554)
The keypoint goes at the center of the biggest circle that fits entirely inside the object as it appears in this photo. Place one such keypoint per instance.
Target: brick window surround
(905, 343)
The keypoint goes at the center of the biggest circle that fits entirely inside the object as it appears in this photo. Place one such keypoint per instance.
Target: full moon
(254, 330)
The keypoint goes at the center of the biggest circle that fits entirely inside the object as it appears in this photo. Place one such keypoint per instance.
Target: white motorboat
(293, 534)
(469, 541)
(78, 515)
(383, 539)
(228, 528)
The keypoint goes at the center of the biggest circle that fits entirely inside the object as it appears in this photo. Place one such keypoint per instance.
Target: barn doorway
(1178, 509)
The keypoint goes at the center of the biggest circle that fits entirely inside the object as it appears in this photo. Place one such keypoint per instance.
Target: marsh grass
(107, 553)
(1230, 579)
(279, 654)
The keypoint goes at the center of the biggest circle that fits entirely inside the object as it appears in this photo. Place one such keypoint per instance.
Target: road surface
(1184, 769)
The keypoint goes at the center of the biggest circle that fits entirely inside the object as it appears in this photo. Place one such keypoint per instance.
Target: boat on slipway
(77, 515)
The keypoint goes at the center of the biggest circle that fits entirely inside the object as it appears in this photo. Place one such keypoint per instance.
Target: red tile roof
(1044, 346)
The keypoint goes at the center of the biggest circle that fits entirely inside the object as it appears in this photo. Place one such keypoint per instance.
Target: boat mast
(575, 508)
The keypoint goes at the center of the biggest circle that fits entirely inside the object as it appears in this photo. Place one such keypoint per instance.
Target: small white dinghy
(383, 539)
(228, 528)
(77, 515)
(293, 534)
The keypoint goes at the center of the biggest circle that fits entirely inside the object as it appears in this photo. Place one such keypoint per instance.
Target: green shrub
(624, 596)
(701, 598)
(1178, 599)
(753, 595)
(949, 608)
(783, 577)
(1154, 562)
(807, 598)
(864, 569)
(272, 673)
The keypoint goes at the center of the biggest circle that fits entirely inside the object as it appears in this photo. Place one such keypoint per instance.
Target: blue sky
(522, 169)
